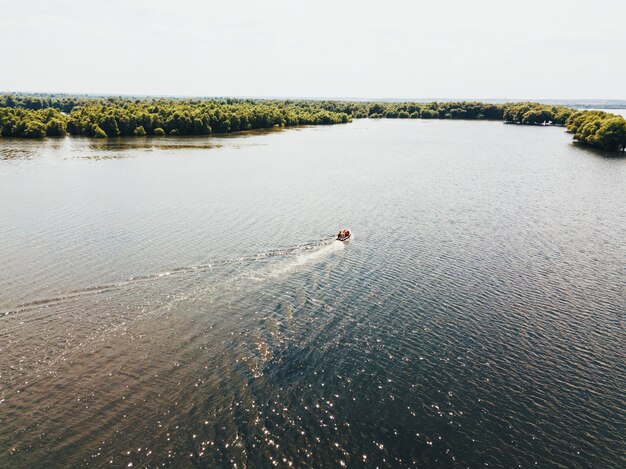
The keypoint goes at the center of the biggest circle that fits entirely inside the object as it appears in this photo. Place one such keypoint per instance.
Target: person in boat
(343, 234)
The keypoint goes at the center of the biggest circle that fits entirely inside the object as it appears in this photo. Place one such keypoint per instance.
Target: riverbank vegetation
(101, 117)
(114, 117)
(598, 129)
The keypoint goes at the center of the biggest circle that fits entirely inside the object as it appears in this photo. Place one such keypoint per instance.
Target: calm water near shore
(180, 302)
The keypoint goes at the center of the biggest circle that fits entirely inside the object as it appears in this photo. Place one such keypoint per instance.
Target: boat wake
(319, 254)
(302, 259)
(269, 264)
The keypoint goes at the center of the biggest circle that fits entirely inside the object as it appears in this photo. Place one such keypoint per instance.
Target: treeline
(598, 129)
(536, 114)
(63, 103)
(27, 123)
(411, 110)
(49, 115)
(23, 116)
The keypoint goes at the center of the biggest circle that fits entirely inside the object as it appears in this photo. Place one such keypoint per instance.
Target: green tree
(139, 131)
(56, 128)
(98, 132)
(109, 125)
(611, 135)
(34, 129)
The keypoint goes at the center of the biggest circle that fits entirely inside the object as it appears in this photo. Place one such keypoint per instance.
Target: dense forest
(101, 117)
(112, 117)
(598, 129)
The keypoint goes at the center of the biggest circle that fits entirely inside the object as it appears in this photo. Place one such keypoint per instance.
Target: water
(181, 302)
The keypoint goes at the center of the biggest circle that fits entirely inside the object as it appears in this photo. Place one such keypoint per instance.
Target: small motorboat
(344, 235)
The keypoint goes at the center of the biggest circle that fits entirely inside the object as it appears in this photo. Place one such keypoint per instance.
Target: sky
(547, 49)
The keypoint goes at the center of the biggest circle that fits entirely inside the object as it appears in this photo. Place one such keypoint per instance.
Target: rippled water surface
(181, 302)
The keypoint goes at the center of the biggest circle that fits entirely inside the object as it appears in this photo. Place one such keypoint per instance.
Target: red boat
(344, 235)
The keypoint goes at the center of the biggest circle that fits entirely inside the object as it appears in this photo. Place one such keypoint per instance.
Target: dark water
(181, 303)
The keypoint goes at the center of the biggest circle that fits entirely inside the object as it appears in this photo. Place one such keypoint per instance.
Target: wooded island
(27, 116)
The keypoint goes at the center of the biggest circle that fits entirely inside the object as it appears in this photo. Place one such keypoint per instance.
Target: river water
(180, 302)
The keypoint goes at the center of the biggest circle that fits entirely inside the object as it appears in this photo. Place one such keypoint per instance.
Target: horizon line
(316, 98)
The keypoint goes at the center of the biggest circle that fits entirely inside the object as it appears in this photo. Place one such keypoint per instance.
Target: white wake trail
(303, 259)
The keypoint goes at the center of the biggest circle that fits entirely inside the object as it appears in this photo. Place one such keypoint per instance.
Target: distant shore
(40, 116)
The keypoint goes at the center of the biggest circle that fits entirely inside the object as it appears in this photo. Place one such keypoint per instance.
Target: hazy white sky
(340, 48)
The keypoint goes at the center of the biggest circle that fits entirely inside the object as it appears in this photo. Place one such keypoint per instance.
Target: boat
(344, 235)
